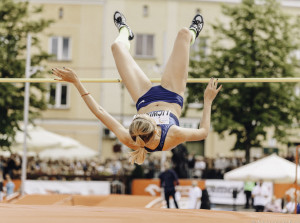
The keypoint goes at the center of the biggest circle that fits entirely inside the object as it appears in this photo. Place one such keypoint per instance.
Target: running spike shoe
(197, 24)
(120, 21)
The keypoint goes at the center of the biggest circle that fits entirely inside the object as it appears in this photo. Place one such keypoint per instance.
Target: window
(145, 11)
(58, 96)
(60, 13)
(60, 48)
(144, 45)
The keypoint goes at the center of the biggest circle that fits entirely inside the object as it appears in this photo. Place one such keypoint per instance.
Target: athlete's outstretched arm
(110, 122)
(210, 93)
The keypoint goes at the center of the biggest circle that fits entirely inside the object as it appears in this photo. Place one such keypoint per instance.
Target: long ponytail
(138, 156)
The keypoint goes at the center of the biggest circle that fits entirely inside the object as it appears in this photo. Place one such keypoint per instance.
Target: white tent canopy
(271, 168)
(78, 152)
(39, 139)
(51, 145)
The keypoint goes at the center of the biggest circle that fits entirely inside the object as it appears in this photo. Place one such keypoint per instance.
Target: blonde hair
(141, 131)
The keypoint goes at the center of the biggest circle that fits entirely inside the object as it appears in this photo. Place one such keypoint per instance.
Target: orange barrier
(280, 189)
(17, 184)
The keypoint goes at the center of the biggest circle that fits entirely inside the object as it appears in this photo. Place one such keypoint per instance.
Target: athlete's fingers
(216, 83)
(56, 72)
(62, 71)
(211, 82)
(68, 69)
(220, 87)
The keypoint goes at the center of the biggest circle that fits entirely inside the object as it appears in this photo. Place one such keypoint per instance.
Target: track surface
(119, 209)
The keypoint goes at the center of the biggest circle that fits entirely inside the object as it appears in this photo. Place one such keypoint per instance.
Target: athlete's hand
(65, 74)
(211, 90)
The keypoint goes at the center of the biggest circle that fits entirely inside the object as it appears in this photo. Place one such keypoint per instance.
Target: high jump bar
(154, 80)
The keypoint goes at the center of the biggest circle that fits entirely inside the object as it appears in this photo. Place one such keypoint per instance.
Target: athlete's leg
(176, 71)
(135, 80)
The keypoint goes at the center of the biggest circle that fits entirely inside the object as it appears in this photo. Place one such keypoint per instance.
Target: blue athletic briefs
(158, 93)
(164, 131)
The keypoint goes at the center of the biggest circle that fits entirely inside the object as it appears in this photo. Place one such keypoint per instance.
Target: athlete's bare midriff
(161, 105)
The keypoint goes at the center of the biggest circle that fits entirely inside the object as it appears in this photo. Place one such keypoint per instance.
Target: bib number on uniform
(160, 117)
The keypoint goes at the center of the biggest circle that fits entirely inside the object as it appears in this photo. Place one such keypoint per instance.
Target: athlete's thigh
(176, 71)
(135, 80)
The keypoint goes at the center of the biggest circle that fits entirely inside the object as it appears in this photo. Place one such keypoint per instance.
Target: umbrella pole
(296, 161)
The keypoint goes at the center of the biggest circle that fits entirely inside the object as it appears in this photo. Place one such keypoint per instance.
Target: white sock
(123, 37)
(193, 32)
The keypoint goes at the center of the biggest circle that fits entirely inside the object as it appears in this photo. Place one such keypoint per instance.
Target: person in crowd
(1, 186)
(289, 207)
(205, 201)
(191, 164)
(200, 166)
(9, 186)
(274, 205)
(168, 181)
(2, 164)
(195, 194)
(260, 195)
(11, 166)
(248, 187)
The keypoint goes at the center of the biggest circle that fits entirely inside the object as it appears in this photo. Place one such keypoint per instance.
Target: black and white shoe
(197, 24)
(120, 22)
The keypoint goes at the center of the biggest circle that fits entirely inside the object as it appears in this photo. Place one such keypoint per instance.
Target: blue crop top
(164, 128)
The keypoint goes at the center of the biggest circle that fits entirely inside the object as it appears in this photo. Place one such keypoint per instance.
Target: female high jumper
(156, 126)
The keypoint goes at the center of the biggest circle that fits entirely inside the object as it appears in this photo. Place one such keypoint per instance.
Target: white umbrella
(4, 153)
(271, 168)
(51, 145)
(78, 152)
(39, 139)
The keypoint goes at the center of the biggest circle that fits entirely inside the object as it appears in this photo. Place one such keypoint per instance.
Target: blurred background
(66, 143)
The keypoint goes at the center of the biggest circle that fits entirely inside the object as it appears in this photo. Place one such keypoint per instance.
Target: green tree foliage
(15, 24)
(259, 41)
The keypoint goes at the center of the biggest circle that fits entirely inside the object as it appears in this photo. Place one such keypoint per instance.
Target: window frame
(59, 56)
(144, 46)
(58, 95)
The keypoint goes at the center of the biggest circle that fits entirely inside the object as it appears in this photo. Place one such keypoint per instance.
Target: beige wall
(89, 24)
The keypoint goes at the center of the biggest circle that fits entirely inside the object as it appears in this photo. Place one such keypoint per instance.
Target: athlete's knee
(184, 32)
(116, 46)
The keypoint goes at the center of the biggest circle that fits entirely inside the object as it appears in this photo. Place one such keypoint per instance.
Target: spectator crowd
(197, 167)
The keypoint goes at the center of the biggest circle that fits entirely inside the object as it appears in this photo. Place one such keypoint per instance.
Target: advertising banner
(223, 191)
(67, 187)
